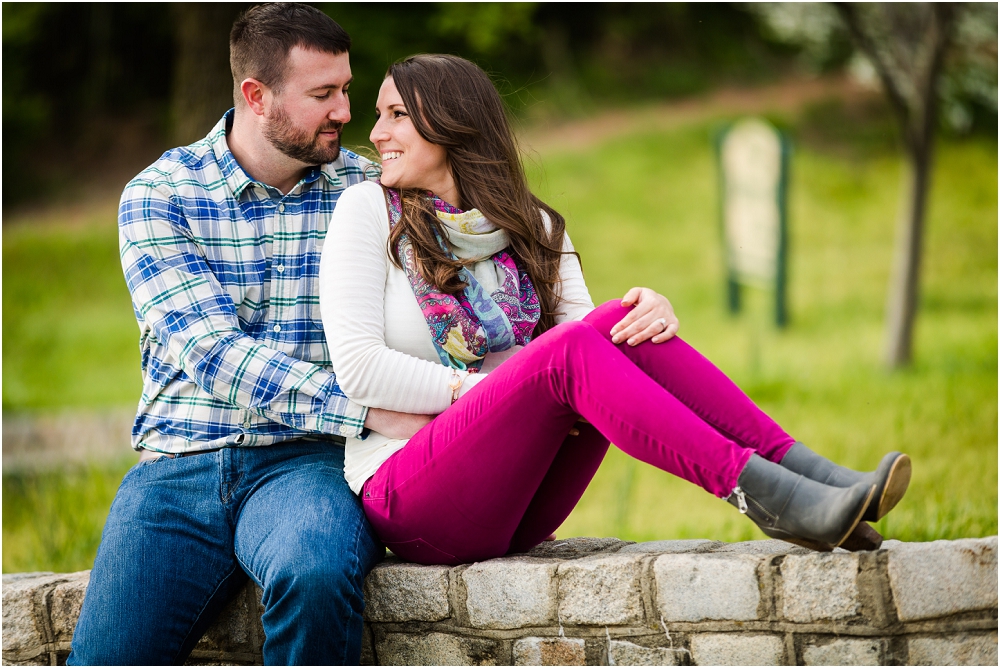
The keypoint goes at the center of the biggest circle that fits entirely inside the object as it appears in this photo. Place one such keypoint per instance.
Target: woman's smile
(408, 160)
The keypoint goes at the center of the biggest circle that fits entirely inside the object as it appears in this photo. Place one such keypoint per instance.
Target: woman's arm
(572, 289)
(353, 272)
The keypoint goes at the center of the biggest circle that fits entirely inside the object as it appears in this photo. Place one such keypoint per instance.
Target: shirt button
(246, 425)
(280, 268)
(281, 208)
(277, 328)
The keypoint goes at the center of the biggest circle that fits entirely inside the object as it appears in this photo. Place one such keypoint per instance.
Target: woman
(432, 286)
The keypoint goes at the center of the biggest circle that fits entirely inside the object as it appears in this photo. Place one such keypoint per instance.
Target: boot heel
(863, 539)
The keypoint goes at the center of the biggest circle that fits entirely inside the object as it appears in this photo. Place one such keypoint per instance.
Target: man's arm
(178, 297)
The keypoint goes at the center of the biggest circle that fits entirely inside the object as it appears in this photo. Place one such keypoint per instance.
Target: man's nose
(341, 112)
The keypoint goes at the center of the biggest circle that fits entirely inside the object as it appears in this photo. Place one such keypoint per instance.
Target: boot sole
(815, 544)
(895, 485)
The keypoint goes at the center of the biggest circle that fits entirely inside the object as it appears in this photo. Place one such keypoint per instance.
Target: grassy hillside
(642, 210)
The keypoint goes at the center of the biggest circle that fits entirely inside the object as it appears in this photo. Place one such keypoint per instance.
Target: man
(240, 421)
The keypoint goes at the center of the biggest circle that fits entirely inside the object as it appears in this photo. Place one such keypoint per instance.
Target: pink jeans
(498, 471)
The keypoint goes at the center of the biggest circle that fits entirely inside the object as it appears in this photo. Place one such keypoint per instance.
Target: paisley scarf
(466, 326)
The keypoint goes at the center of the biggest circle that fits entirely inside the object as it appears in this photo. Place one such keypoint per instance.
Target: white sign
(751, 163)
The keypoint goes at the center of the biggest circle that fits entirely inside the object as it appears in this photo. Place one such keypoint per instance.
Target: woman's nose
(378, 133)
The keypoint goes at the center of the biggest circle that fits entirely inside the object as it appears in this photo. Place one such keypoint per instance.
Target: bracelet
(455, 384)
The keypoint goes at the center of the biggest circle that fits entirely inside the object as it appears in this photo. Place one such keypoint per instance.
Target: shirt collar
(235, 177)
(238, 180)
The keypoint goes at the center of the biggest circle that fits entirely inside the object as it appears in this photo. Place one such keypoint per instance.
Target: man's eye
(322, 97)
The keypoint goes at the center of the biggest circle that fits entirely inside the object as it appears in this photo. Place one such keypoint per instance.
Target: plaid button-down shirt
(223, 272)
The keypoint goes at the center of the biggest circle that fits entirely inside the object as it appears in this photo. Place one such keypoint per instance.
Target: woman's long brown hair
(453, 103)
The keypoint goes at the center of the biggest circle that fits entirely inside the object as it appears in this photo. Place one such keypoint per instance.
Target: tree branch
(849, 14)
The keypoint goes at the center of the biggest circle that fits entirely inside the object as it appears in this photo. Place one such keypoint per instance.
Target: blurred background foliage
(88, 83)
(78, 76)
(617, 105)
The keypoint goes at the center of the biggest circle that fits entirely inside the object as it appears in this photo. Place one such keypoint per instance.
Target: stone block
(574, 548)
(670, 546)
(437, 649)
(623, 653)
(737, 649)
(819, 586)
(23, 626)
(762, 547)
(601, 590)
(237, 632)
(549, 652)
(844, 652)
(399, 592)
(510, 593)
(956, 650)
(942, 578)
(696, 587)
(66, 601)
(367, 646)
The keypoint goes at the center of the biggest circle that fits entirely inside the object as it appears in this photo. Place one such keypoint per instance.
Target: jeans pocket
(421, 552)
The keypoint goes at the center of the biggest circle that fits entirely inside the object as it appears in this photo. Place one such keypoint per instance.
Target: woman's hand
(652, 318)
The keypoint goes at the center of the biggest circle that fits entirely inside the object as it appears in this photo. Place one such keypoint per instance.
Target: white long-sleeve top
(380, 346)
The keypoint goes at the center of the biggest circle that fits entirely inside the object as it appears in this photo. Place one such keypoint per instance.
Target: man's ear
(253, 94)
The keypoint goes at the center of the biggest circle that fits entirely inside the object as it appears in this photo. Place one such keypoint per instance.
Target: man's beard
(297, 143)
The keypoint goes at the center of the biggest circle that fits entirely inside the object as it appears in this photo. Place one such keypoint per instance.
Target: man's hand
(396, 425)
(652, 318)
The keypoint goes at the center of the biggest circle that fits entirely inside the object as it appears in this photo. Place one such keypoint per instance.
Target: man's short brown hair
(263, 36)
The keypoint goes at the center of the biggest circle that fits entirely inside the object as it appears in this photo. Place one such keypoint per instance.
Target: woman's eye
(398, 114)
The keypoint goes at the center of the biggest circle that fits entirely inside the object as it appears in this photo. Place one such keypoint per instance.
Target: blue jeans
(183, 535)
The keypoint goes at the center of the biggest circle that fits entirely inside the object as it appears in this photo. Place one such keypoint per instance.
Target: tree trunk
(905, 282)
(911, 84)
(904, 289)
(203, 83)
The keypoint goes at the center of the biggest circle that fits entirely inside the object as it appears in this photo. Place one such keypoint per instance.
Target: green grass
(642, 211)
(52, 520)
(70, 339)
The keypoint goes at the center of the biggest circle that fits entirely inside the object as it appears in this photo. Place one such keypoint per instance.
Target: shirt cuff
(343, 417)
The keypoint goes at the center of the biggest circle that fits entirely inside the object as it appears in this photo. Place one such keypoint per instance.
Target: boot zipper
(741, 500)
(760, 514)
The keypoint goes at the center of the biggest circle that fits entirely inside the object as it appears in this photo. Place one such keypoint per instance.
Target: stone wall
(589, 601)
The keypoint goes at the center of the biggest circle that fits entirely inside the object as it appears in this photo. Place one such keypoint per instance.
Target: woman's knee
(567, 335)
(606, 316)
